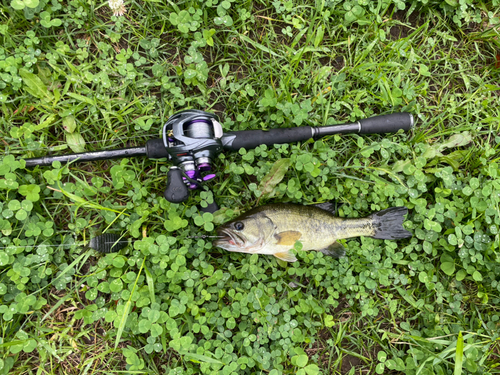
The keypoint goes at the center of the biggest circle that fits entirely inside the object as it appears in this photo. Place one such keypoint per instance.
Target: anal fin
(287, 256)
(335, 250)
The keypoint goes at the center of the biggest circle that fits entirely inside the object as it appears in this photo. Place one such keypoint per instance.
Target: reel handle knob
(176, 191)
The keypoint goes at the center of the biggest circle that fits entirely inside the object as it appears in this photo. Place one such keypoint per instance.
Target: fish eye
(239, 226)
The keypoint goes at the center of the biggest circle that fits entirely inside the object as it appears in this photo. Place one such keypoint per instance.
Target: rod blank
(88, 156)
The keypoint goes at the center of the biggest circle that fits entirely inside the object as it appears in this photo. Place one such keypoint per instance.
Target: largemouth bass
(274, 228)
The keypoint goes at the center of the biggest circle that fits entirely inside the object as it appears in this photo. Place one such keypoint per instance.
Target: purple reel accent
(196, 174)
(191, 174)
(204, 167)
(208, 177)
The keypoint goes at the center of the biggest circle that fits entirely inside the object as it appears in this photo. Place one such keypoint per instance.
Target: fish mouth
(229, 239)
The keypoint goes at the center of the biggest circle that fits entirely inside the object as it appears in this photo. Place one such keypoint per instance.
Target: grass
(170, 303)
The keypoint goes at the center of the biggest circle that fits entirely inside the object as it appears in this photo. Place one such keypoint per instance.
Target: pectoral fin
(287, 238)
(287, 256)
(335, 250)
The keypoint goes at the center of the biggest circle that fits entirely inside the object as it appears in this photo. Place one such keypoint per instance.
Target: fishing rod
(192, 139)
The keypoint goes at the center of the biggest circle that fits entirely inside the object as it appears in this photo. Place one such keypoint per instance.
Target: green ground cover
(74, 77)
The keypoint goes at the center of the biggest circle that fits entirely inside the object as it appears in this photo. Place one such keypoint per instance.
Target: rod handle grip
(386, 124)
(250, 139)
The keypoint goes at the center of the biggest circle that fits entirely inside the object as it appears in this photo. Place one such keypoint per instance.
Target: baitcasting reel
(192, 139)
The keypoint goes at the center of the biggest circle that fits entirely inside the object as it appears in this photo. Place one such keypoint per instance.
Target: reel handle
(176, 191)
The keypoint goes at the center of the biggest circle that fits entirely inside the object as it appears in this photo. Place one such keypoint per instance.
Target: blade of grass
(126, 310)
(200, 358)
(84, 203)
(151, 285)
(459, 356)
(258, 45)
(67, 269)
(62, 300)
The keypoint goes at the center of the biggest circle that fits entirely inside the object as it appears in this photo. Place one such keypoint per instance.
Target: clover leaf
(224, 20)
(382, 357)
(205, 220)
(21, 4)
(269, 99)
(183, 21)
(353, 13)
(31, 192)
(448, 268)
(175, 222)
(45, 20)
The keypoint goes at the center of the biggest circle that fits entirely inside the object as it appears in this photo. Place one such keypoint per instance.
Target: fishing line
(104, 243)
(40, 245)
(205, 236)
(60, 245)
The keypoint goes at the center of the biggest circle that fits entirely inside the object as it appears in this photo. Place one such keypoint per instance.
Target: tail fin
(388, 224)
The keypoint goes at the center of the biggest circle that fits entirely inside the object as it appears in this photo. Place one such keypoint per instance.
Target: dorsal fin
(330, 207)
